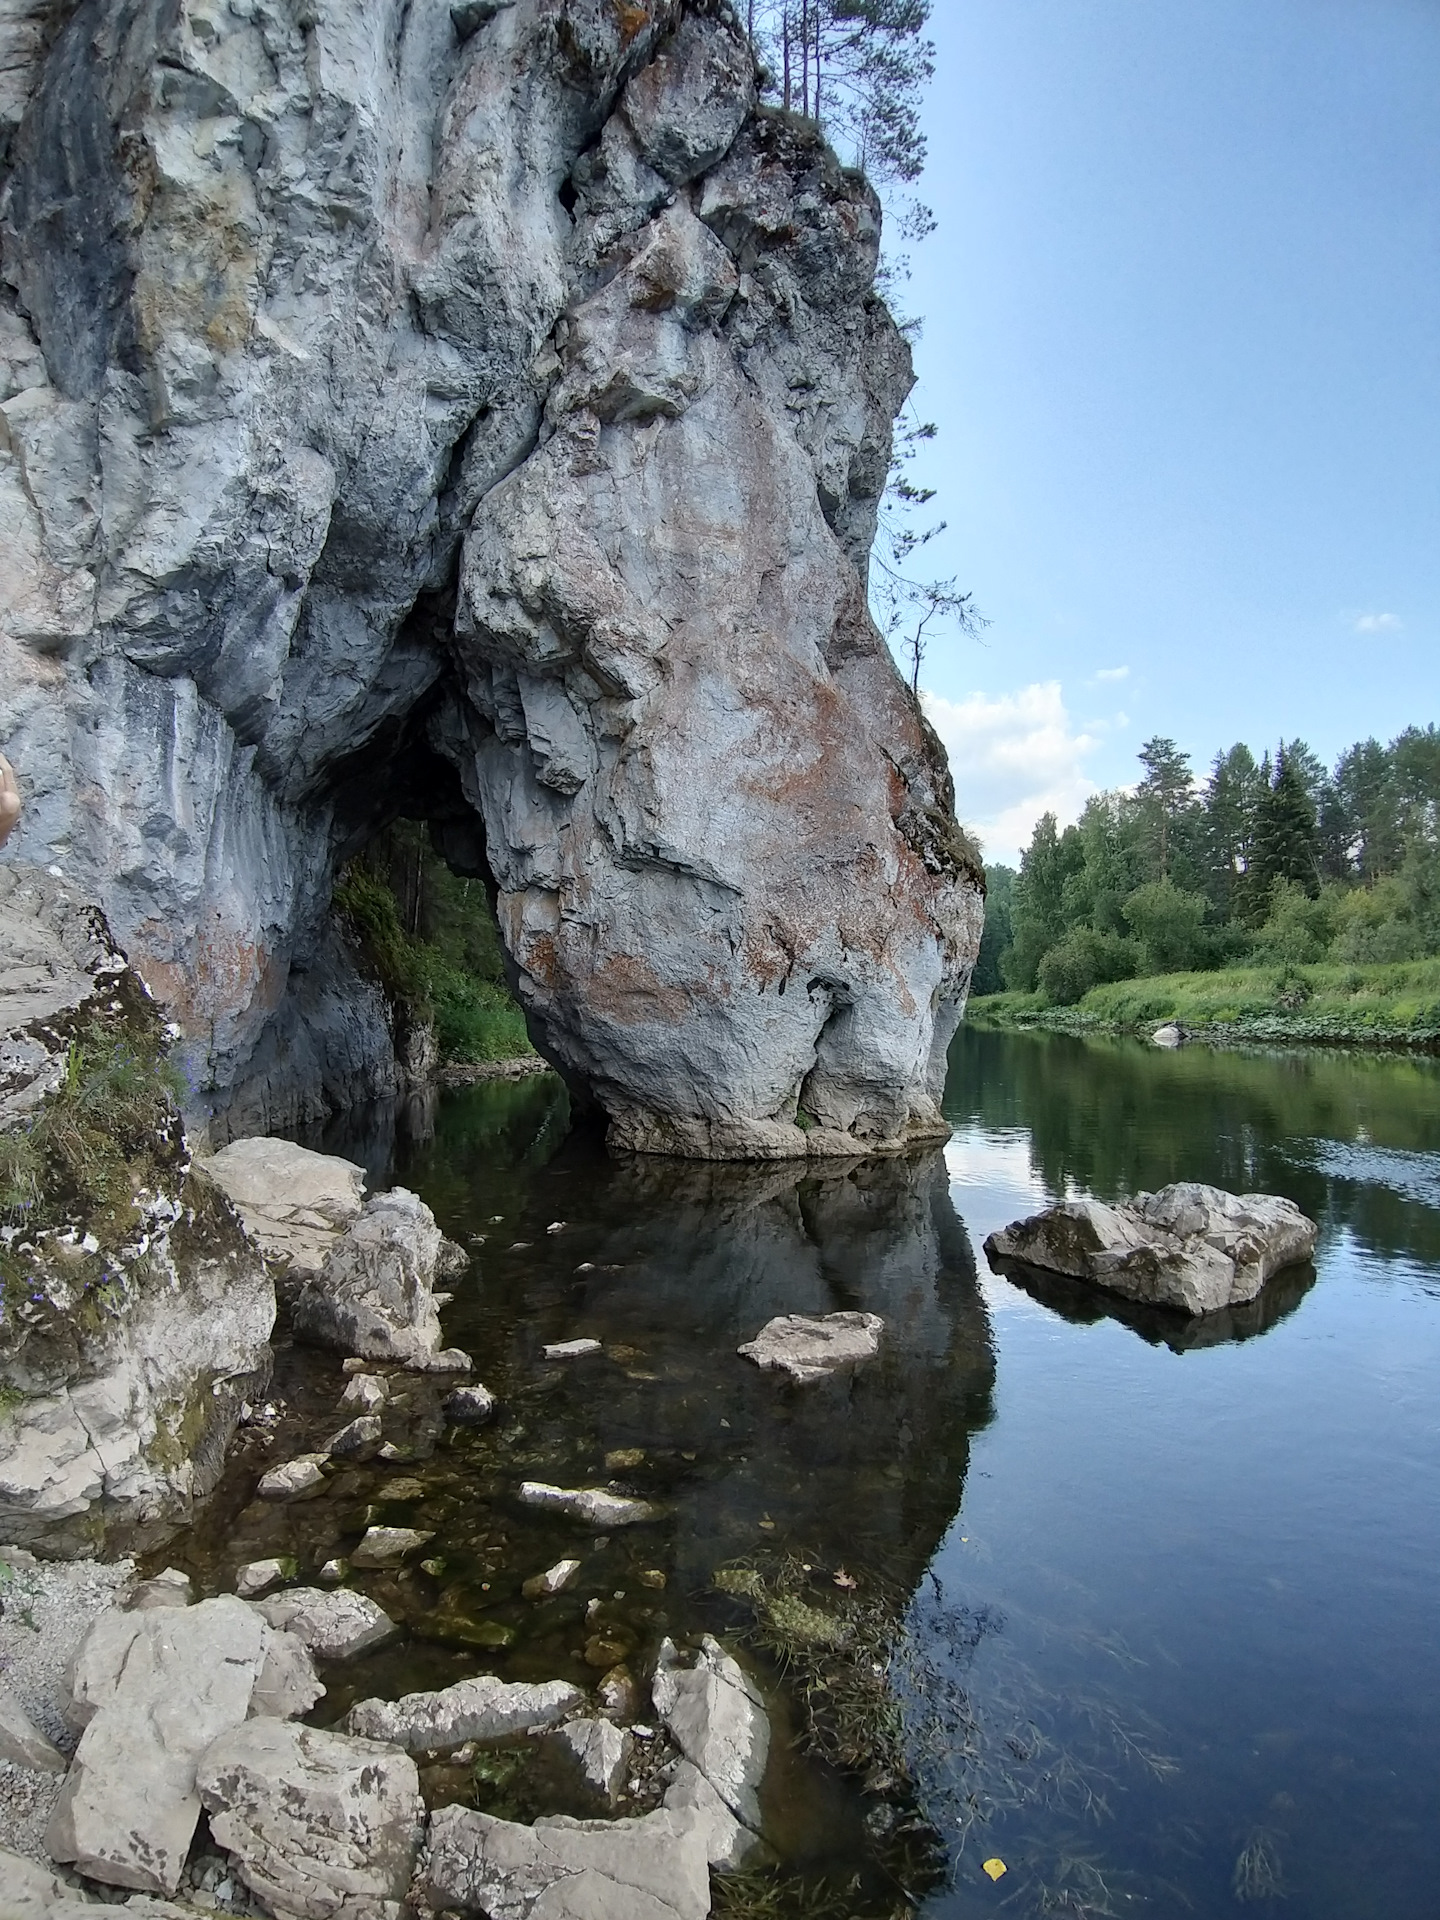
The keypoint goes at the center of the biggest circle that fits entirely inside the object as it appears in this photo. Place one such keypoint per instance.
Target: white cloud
(1379, 623)
(1013, 758)
(1113, 673)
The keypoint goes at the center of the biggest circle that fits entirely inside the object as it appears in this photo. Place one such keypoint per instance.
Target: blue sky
(1182, 345)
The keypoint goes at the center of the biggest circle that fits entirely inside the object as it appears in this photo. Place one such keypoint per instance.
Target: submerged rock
(811, 1348)
(649, 1869)
(570, 1349)
(472, 1406)
(718, 1721)
(320, 1825)
(389, 1546)
(298, 1479)
(554, 1580)
(480, 1709)
(1188, 1246)
(595, 1506)
(375, 1294)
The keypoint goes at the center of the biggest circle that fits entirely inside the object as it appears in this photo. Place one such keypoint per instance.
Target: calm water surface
(1173, 1587)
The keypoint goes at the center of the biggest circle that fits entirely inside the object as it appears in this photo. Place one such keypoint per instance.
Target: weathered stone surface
(258, 1576)
(22, 1743)
(388, 1546)
(810, 1348)
(240, 502)
(375, 1294)
(650, 1869)
(170, 1588)
(570, 1349)
(320, 1825)
(132, 1359)
(1188, 1246)
(719, 1723)
(600, 1751)
(156, 1689)
(480, 1709)
(366, 1393)
(358, 1439)
(294, 1203)
(554, 1580)
(298, 1479)
(333, 1625)
(470, 1406)
(287, 1684)
(594, 1506)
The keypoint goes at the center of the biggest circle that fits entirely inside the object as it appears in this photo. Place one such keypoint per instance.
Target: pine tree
(1232, 798)
(1164, 795)
(1287, 839)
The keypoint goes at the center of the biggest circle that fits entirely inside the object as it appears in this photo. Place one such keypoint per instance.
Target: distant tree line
(1269, 860)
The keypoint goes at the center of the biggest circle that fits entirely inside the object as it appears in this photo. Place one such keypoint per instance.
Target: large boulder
(649, 1869)
(375, 1293)
(152, 1690)
(489, 426)
(482, 1708)
(1189, 1246)
(718, 1721)
(294, 1203)
(321, 1826)
(333, 1625)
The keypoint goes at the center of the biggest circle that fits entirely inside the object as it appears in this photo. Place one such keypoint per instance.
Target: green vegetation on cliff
(432, 941)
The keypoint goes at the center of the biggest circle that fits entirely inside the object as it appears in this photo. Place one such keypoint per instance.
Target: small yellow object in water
(994, 1868)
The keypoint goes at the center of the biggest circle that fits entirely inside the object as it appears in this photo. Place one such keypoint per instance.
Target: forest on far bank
(1271, 860)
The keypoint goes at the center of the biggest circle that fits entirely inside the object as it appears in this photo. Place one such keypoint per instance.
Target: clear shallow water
(1173, 1587)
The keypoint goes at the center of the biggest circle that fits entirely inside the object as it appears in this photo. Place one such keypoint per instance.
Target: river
(1166, 1590)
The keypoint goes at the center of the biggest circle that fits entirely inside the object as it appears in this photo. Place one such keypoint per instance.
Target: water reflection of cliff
(1116, 1117)
(689, 1260)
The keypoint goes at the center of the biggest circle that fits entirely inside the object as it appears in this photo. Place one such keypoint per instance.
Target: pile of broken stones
(150, 1709)
(183, 1707)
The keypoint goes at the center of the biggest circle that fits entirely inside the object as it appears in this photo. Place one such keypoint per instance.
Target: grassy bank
(1378, 1005)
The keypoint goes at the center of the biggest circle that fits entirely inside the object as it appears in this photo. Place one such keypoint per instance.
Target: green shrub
(1167, 921)
(1082, 960)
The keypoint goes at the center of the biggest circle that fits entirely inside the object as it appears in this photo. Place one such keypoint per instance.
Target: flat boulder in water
(1188, 1246)
(649, 1869)
(810, 1348)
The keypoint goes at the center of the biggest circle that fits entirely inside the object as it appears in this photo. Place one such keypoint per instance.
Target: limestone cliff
(477, 412)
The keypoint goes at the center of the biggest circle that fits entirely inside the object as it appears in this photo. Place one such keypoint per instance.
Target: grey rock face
(1189, 1246)
(810, 1348)
(314, 336)
(320, 1825)
(719, 1723)
(480, 1709)
(650, 1869)
(375, 1294)
(21, 1742)
(155, 1690)
(294, 1203)
(333, 1625)
(601, 1752)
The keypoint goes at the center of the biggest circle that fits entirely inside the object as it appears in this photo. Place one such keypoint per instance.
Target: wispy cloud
(1379, 623)
(1013, 758)
(1113, 673)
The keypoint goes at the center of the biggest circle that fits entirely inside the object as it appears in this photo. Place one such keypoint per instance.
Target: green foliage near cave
(1265, 864)
(430, 937)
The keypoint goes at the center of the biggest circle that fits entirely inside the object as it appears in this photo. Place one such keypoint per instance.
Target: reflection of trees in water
(1118, 1117)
